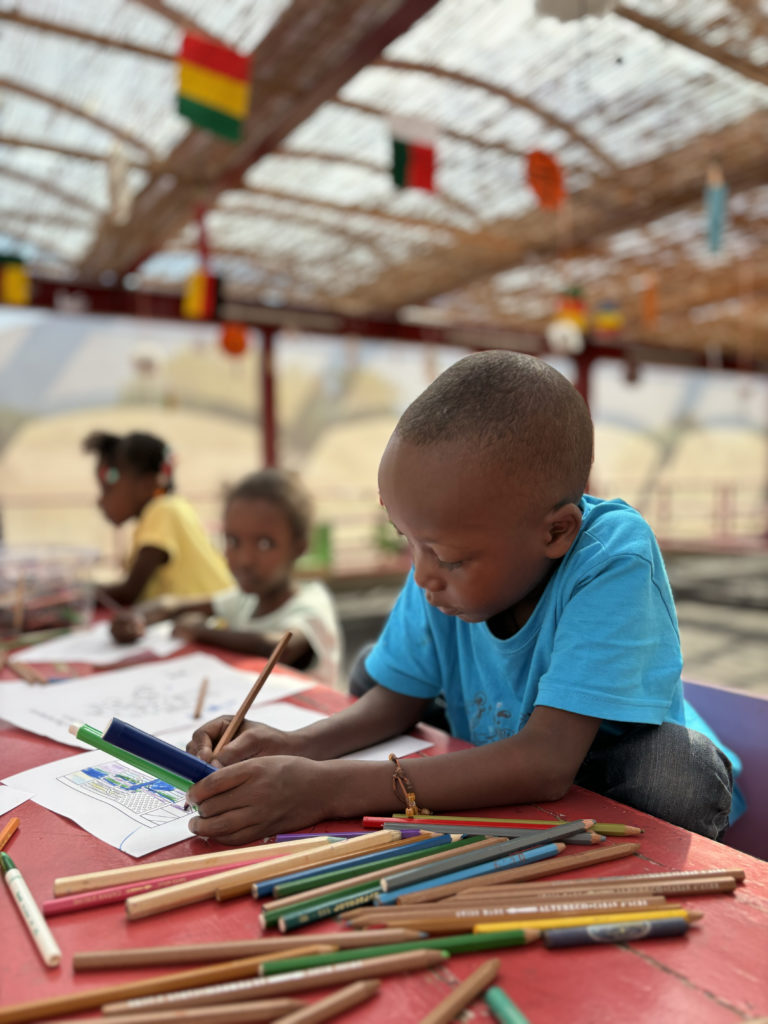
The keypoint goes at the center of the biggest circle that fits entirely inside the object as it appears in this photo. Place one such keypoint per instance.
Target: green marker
(450, 944)
(93, 738)
(502, 1007)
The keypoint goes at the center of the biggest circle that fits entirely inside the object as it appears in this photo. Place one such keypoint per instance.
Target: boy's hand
(188, 626)
(261, 797)
(252, 740)
(128, 626)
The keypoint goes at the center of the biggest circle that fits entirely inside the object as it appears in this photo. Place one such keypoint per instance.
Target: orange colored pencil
(8, 831)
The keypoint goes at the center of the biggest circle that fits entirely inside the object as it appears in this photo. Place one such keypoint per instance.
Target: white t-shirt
(310, 611)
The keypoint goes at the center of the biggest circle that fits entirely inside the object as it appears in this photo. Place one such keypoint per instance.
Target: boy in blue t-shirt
(542, 616)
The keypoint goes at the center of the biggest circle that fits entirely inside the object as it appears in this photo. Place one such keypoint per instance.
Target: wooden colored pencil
(334, 1004)
(230, 888)
(330, 887)
(201, 695)
(586, 919)
(467, 990)
(614, 881)
(39, 1009)
(193, 892)
(601, 827)
(553, 866)
(242, 711)
(295, 981)
(70, 884)
(229, 1013)
(526, 837)
(502, 1008)
(26, 672)
(466, 942)
(8, 830)
(694, 887)
(210, 952)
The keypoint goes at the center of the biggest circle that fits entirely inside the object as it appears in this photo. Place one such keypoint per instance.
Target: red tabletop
(717, 973)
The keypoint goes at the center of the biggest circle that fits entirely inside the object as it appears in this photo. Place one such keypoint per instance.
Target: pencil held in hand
(242, 711)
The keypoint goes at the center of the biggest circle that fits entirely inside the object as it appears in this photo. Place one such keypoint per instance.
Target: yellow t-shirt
(194, 567)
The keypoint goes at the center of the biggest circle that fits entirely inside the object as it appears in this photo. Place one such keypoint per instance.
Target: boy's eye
(449, 565)
(265, 544)
(230, 541)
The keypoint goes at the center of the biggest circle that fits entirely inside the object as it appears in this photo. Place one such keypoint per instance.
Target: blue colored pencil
(267, 887)
(487, 867)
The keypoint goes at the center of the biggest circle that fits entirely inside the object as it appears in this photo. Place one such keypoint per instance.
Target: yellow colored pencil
(587, 919)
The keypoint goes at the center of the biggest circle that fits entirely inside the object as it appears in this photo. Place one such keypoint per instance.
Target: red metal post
(268, 397)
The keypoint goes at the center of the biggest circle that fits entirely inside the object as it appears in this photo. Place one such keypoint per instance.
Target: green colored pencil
(464, 943)
(502, 1007)
(320, 910)
(270, 918)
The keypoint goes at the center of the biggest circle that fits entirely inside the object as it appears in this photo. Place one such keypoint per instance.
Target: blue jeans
(666, 770)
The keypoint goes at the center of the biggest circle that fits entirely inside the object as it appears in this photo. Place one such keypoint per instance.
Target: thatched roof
(302, 210)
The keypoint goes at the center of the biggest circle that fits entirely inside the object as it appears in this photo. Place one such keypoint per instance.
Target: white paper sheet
(154, 696)
(10, 798)
(95, 646)
(128, 809)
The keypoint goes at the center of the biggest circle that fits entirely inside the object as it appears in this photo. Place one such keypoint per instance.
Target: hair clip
(109, 475)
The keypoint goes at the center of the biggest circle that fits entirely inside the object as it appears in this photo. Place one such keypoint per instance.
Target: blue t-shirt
(602, 641)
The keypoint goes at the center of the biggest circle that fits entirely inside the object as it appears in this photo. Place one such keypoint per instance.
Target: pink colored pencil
(118, 893)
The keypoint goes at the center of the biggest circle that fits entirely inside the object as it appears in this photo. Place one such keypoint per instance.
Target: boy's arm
(146, 562)
(268, 794)
(297, 651)
(128, 625)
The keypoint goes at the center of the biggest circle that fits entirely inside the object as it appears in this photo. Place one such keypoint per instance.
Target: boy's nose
(425, 572)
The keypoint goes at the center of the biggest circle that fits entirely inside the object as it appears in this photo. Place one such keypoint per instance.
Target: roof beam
(57, 28)
(691, 42)
(312, 50)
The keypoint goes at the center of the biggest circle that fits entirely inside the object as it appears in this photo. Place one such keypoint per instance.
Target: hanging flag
(546, 179)
(715, 201)
(608, 320)
(200, 298)
(214, 86)
(15, 285)
(413, 156)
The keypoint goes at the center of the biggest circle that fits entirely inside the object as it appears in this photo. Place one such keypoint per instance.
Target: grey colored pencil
(532, 837)
(468, 858)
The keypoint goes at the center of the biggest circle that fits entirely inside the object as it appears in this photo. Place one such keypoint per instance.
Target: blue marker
(143, 744)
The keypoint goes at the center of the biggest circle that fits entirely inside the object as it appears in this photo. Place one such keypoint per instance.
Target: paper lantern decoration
(546, 180)
(413, 154)
(571, 306)
(608, 320)
(233, 339)
(200, 297)
(214, 86)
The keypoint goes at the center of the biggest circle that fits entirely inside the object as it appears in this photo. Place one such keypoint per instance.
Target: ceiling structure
(302, 212)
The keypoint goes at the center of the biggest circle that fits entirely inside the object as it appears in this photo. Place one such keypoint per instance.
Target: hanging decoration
(413, 154)
(649, 303)
(546, 179)
(565, 333)
(715, 202)
(607, 320)
(233, 339)
(15, 285)
(214, 86)
(200, 297)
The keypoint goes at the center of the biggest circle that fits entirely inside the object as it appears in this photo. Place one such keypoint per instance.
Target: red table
(718, 973)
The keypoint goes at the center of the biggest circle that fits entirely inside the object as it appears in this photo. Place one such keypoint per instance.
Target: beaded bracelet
(403, 789)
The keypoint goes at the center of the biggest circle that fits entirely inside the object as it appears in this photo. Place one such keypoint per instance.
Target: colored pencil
(229, 1013)
(201, 695)
(453, 944)
(502, 1008)
(39, 1009)
(337, 1002)
(242, 711)
(118, 893)
(671, 888)
(543, 923)
(602, 827)
(26, 672)
(156, 750)
(41, 934)
(321, 909)
(411, 847)
(565, 862)
(463, 994)
(484, 868)
(467, 859)
(70, 884)
(8, 830)
(210, 952)
(182, 895)
(633, 931)
(615, 881)
(94, 738)
(527, 837)
(295, 981)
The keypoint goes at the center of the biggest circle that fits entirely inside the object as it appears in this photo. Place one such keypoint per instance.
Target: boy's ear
(562, 526)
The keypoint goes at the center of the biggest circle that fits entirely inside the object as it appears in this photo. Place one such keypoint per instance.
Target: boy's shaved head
(512, 411)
